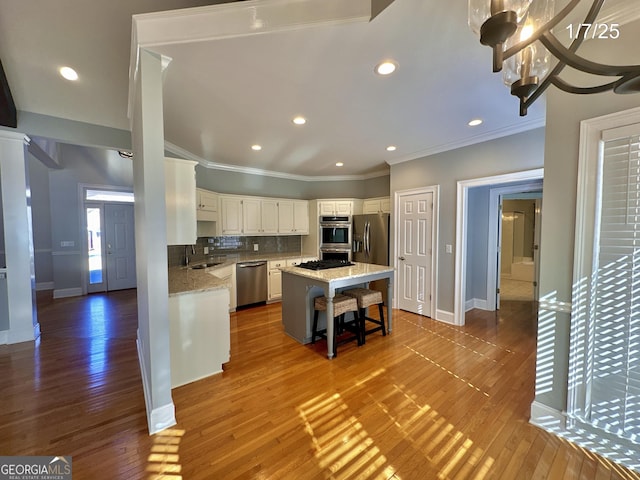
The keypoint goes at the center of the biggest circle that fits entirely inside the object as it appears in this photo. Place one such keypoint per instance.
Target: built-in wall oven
(335, 237)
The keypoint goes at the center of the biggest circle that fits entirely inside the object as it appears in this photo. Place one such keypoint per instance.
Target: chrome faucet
(186, 254)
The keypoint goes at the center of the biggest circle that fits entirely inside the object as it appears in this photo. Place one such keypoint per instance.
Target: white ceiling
(223, 96)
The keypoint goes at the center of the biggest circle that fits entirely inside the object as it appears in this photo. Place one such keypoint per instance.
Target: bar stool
(367, 298)
(341, 305)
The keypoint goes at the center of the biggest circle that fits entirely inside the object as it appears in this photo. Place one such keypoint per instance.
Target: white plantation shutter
(614, 397)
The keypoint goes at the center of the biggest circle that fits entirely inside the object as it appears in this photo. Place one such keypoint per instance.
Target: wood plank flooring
(429, 401)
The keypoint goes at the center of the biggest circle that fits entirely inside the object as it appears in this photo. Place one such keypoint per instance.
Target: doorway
(110, 241)
(517, 264)
(518, 182)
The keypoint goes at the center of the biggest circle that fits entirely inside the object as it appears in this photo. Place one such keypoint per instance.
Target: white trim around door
(461, 229)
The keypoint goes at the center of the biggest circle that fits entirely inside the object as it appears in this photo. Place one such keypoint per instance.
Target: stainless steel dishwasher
(251, 282)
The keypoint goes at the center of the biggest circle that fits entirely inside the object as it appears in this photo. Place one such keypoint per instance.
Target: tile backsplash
(222, 247)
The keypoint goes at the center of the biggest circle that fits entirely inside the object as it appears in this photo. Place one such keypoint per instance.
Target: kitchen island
(300, 286)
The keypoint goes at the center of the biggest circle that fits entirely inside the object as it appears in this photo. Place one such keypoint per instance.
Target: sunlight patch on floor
(163, 461)
(341, 444)
(438, 439)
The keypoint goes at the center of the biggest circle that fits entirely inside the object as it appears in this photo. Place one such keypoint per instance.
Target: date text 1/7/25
(594, 30)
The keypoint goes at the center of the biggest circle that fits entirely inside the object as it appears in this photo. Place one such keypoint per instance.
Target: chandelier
(519, 31)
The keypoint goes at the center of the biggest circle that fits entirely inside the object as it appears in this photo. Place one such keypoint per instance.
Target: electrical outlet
(206, 250)
(448, 248)
(255, 247)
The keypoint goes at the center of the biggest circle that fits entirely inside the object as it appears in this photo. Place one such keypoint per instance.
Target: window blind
(614, 396)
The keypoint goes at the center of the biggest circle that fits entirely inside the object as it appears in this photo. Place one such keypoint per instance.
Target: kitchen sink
(205, 265)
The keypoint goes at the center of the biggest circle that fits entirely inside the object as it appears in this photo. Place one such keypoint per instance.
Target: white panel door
(415, 250)
(120, 246)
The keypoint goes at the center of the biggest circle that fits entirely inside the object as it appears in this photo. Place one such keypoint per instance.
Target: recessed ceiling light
(391, 148)
(257, 148)
(385, 68)
(339, 164)
(475, 122)
(69, 73)
(299, 120)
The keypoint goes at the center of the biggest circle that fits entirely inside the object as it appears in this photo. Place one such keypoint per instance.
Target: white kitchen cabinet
(293, 217)
(260, 216)
(231, 215)
(335, 207)
(207, 205)
(269, 216)
(274, 290)
(377, 205)
(180, 200)
(200, 337)
(251, 216)
(285, 216)
(301, 217)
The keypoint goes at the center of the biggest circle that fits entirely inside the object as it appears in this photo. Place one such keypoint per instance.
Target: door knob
(401, 258)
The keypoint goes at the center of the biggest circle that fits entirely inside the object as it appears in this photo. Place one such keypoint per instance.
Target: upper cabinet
(335, 207)
(260, 216)
(293, 217)
(377, 205)
(180, 199)
(263, 216)
(207, 205)
(231, 215)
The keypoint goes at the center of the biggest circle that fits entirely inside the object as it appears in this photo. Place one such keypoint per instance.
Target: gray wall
(477, 243)
(514, 153)
(87, 165)
(222, 181)
(41, 222)
(564, 114)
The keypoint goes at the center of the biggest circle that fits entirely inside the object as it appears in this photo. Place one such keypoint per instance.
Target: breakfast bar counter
(300, 286)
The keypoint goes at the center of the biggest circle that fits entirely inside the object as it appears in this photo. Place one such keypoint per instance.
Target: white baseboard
(476, 303)
(162, 418)
(44, 286)
(444, 316)
(157, 418)
(546, 417)
(8, 337)
(67, 292)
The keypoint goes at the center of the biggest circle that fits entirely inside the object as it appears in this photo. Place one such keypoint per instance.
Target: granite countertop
(354, 271)
(187, 280)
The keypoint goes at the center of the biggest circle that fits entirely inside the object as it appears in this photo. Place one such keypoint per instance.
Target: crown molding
(181, 152)
(520, 127)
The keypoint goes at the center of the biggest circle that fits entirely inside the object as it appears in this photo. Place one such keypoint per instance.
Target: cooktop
(325, 264)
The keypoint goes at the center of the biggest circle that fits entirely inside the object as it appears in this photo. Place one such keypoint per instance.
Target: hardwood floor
(429, 401)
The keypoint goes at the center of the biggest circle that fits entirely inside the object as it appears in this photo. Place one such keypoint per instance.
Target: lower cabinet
(274, 290)
(200, 334)
(275, 275)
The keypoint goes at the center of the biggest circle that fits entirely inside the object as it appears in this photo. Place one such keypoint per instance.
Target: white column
(18, 239)
(151, 240)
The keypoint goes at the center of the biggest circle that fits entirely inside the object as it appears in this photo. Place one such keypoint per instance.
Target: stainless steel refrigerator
(370, 235)
(370, 238)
